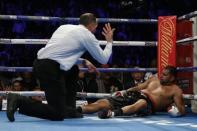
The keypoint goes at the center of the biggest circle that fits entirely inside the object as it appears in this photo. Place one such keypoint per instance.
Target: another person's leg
(126, 110)
(134, 108)
(95, 107)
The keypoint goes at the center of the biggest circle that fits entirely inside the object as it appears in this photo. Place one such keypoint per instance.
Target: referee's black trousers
(60, 91)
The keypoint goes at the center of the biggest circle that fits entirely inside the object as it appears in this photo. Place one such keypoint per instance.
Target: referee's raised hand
(108, 32)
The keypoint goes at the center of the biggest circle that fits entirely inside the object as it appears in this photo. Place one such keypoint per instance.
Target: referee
(57, 71)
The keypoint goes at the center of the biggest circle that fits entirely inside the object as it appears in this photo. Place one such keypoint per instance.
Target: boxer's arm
(141, 86)
(179, 102)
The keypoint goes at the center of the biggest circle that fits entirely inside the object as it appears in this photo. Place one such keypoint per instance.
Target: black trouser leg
(37, 109)
(71, 77)
(52, 82)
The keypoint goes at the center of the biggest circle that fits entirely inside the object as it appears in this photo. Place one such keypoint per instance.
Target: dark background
(23, 55)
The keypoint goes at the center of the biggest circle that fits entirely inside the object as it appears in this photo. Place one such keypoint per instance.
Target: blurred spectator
(153, 64)
(115, 84)
(136, 78)
(29, 81)
(100, 83)
(111, 83)
(81, 83)
(5, 81)
(92, 85)
(17, 85)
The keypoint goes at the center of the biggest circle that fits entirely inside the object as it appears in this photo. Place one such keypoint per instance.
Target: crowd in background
(24, 55)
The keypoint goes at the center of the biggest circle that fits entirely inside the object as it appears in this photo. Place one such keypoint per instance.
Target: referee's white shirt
(69, 42)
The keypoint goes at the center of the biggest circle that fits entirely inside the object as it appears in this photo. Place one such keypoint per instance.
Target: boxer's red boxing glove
(119, 93)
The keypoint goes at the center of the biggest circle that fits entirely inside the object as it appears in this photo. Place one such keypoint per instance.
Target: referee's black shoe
(12, 105)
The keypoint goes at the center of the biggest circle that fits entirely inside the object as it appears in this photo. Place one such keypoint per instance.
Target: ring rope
(186, 40)
(29, 69)
(115, 43)
(100, 20)
(188, 16)
(41, 93)
(79, 94)
(70, 19)
(44, 41)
